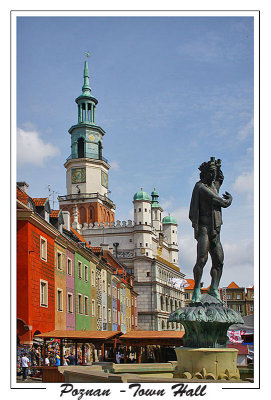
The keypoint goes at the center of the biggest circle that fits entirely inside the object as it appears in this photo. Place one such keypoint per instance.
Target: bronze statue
(205, 214)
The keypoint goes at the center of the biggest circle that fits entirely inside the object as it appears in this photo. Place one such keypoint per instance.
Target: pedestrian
(71, 359)
(25, 363)
(46, 360)
(57, 363)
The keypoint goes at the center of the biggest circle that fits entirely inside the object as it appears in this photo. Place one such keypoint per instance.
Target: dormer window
(46, 215)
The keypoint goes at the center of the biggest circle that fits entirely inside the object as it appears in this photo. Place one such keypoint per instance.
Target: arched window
(176, 305)
(90, 213)
(100, 150)
(83, 216)
(162, 302)
(81, 148)
(163, 324)
(171, 305)
(166, 304)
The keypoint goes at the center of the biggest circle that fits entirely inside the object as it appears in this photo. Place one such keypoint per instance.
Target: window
(104, 287)
(139, 210)
(80, 305)
(118, 294)
(238, 296)
(139, 222)
(132, 320)
(239, 307)
(99, 311)
(109, 315)
(228, 296)
(135, 321)
(86, 305)
(146, 244)
(147, 253)
(148, 273)
(132, 300)
(43, 293)
(43, 248)
(109, 289)
(186, 296)
(145, 209)
(79, 270)
(69, 266)
(86, 272)
(130, 240)
(46, 216)
(93, 277)
(146, 223)
(59, 300)
(104, 313)
(118, 317)
(174, 260)
(172, 231)
(59, 260)
(70, 303)
(140, 244)
(93, 307)
(135, 302)
(251, 307)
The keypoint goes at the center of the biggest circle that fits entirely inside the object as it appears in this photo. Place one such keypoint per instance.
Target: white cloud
(31, 149)
(182, 215)
(244, 183)
(246, 131)
(114, 165)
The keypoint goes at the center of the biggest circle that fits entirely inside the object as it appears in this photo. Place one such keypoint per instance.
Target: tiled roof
(95, 249)
(205, 289)
(22, 196)
(191, 284)
(98, 335)
(233, 285)
(242, 348)
(54, 213)
(39, 201)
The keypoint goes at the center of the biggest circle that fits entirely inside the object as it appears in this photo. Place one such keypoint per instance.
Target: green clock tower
(86, 168)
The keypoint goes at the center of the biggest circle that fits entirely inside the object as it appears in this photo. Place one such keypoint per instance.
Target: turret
(156, 211)
(170, 231)
(143, 229)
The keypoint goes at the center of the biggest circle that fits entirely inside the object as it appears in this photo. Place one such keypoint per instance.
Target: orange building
(35, 271)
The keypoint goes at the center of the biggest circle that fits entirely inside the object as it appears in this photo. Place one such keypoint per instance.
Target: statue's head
(208, 170)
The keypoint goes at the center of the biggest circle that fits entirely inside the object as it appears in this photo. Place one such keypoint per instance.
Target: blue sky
(172, 92)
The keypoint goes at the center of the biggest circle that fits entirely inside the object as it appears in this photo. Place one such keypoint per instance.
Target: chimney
(104, 246)
(23, 185)
(67, 220)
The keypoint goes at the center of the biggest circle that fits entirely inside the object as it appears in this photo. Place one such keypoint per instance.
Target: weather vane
(87, 54)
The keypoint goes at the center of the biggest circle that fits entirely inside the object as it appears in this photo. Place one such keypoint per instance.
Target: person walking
(25, 363)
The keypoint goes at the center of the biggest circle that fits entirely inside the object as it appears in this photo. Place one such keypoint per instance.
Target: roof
(22, 196)
(169, 219)
(40, 201)
(142, 196)
(55, 213)
(190, 283)
(153, 335)
(233, 285)
(242, 348)
(91, 335)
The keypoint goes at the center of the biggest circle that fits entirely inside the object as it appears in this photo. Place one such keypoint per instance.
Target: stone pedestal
(205, 355)
(207, 363)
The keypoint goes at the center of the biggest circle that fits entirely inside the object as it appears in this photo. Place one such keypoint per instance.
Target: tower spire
(86, 88)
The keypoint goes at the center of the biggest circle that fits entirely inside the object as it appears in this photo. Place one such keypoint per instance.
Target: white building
(148, 247)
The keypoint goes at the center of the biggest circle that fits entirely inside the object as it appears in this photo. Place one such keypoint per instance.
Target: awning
(81, 336)
(148, 338)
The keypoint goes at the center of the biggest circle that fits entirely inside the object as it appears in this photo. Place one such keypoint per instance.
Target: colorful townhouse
(35, 267)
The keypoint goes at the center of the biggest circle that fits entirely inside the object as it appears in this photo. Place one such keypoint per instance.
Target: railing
(85, 196)
(91, 158)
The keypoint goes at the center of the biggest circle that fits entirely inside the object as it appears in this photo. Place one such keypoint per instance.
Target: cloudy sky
(172, 92)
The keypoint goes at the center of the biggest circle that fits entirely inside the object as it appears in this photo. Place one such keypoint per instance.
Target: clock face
(91, 137)
(78, 175)
(104, 178)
